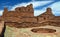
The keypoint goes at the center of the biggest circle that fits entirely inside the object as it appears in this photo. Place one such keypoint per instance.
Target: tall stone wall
(46, 16)
(27, 11)
(26, 15)
(20, 14)
(28, 8)
(30, 19)
(23, 18)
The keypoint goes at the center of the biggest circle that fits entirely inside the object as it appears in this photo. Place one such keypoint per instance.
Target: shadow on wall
(3, 31)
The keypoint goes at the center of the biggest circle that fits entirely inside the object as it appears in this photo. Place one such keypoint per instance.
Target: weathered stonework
(23, 17)
(26, 15)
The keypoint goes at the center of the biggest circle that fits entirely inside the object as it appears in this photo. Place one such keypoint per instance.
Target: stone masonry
(24, 17)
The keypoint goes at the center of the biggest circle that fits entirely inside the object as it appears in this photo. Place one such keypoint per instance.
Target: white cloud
(1, 12)
(56, 8)
(35, 4)
(38, 12)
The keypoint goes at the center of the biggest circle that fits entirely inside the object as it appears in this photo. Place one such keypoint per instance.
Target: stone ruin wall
(26, 15)
(21, 14)
(20, 11)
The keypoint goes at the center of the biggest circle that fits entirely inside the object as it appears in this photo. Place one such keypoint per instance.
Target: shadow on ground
(3, 31)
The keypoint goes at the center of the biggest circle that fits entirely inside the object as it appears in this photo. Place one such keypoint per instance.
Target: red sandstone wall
(13, 19)
(26, 14)
(20, 11)
(30, 19)
(20, 20)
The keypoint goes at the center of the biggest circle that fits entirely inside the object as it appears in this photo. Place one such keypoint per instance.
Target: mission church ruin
(23, 17)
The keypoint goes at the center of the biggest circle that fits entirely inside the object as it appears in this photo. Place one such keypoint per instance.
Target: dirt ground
(26, 32)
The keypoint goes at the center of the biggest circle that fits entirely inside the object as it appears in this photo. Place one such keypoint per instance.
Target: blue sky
(38, 5)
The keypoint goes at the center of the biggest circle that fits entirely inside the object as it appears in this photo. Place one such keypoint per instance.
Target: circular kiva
(43, 30)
